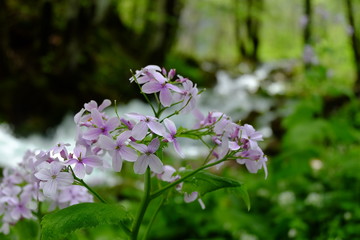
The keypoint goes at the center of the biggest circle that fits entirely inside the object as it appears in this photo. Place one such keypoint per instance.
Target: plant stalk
(143, 206)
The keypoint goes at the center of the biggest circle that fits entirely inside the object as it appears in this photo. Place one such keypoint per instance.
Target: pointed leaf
(204, 182)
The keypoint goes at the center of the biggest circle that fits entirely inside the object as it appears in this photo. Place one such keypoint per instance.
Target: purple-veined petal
(78, 116)
(50, 188)
(159, 77)
(55, 167)
(15, 213)
(117, 162)
(64, 178)
(43, 174)
(80, 151)
(136, 116)
(177, 148)
(190, 197)
(151, 87)
(153, 67)
(141, 164)
(170, 125)
(140, 147)
(173, 87)
(153, 145)
(79, 170)
(93, 161)
(90, 105)
(123, 137)
(97, 117)
(104, 104)
(92, 134)
(167, 174)
(128, 154)
(165, 97)
(71, 161)
(156, 127)
(140, 130)
(106, 142)
(155, 164)
(233, 146)
(112, 123)
(88, 169)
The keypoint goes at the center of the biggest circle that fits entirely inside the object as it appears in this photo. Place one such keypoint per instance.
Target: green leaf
(59, 224)
(205, 182)
(245, 196)
(26, 230)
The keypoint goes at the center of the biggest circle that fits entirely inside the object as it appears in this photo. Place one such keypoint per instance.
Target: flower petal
(173, 87)
(128, 154)
(123, 137)
(165, 97)
(93, 161)
(43, 174)
(112, 123)
(65, 178)
(117, 162)
(80, 151)
(155, 164)
(140, 147)
(106, 142)
(170, 125)
(104, 104)
(50, 188)
(92, 134)
(79, 170)
(156, 127)
(140, 130)
(177, 148)
(97, 118)
(190, 197)
(151, 87)
(141, 165)
(153, 145)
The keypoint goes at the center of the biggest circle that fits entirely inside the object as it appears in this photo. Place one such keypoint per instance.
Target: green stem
(182, 179)
(90, 189)
(143, 206)
(87, 186)
(153, 218)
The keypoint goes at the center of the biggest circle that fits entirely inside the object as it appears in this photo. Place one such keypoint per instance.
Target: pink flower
(148, 158)
(147, 74)
(83, 162)
(74, 194)
(170, 137)
(189, 96)
(52, 177)
(23, 208)
(100, 126)
(59, 147)
(140, 129)
(248, 132)
(188, 198)
(118, 149)
(163, 87)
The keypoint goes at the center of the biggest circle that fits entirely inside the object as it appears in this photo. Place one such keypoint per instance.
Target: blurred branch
(355, 42)
(247, 27)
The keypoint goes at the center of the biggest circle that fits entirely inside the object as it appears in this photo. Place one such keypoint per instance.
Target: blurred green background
(57, 55)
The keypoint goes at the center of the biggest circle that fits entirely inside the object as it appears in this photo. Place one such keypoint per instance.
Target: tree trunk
(354, 37)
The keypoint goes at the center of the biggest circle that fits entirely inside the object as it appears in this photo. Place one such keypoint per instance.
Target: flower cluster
(57, 174)
(40, 177)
